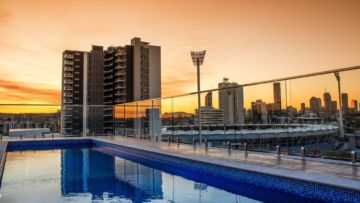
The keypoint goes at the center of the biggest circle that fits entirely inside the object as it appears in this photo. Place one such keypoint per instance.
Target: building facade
(327, 101)
(99, 79)
(231, 101)
(277, 97)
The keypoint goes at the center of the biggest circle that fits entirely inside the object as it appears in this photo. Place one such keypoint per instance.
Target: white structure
(28, 132)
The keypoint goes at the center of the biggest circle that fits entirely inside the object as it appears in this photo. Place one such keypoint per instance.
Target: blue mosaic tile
(314, 191)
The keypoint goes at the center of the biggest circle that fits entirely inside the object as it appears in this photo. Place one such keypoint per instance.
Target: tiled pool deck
(329, 172)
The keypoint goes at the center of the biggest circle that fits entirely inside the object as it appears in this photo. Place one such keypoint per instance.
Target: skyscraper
(208, 99)
(355, 105)
(231, 101)
(315, 105)
(334, 107)
(95, 91)
(107, 77)
(277, 97)
(73, 91)
(146, 70)
(345, 102)
(327, 101)
(303, 107)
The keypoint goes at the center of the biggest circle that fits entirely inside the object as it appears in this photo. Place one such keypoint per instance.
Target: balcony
(68, 75)
(68, 82)
(108, 58)
(108, 83)
(120, 60)
(119, 73)
(67, 68)
(109, 77)
(68, 101)
(66, 62)
(120, 100)
(68, 94)
(108, 71)
(120, 80)
(120, 53)
(68, 87)
(108, 89)
(69, 56)
(120, 93)
(120, 87)
(109, 65)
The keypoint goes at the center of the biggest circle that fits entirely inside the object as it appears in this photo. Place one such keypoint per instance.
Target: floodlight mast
(198, 59)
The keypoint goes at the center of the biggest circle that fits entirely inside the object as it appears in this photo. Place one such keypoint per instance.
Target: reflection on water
(90, 175)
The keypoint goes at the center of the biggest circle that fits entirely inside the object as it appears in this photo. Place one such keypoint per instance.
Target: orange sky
(246, 41)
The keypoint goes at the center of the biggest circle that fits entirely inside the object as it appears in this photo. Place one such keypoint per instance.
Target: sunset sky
(246, 41)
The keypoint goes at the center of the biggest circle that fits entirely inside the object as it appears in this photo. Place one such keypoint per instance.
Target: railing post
(353, 158)
(303, 151)
(278, 152)
(245, 149)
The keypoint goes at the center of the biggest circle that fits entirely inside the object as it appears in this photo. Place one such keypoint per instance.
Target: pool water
(95, 175)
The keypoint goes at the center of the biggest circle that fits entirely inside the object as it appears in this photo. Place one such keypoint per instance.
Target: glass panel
(130, 117)
(120, 119)
(29, 121)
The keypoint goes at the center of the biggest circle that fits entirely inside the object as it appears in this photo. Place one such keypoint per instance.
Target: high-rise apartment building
(345, 102)
(146, 70)
(277, 97)
(74, 94)
(231, 101)
(327, 101)
(315, 105)
(102, 78)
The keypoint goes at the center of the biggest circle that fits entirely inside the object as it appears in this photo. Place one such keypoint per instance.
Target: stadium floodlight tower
(198, 59)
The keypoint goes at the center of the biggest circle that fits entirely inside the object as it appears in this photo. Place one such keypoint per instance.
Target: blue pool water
(97, 174)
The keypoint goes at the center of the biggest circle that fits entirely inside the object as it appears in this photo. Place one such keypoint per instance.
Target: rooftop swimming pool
(94, 172)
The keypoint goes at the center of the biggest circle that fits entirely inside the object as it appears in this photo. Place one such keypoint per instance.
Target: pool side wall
(295, 187)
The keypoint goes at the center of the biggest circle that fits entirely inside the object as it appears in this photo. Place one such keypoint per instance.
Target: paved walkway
(311, 168)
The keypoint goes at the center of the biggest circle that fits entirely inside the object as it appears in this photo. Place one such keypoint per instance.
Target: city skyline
(30, 57)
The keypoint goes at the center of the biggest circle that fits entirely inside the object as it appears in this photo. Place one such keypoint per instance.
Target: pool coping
(344, 183)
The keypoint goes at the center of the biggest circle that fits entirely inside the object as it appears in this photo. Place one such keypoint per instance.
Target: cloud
(15, 92)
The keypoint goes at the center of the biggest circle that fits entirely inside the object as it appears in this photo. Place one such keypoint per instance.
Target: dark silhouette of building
(315, 105)
(277, 98)
(345, 102)
(327, 101)
(334, 108)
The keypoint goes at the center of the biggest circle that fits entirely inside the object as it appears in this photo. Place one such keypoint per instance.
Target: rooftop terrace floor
(324, 171)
